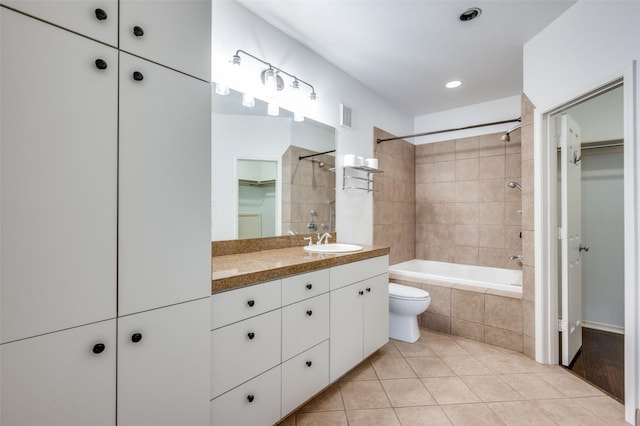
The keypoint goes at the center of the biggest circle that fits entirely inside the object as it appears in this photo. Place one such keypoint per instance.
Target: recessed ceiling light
(453, 84)
(470, 14)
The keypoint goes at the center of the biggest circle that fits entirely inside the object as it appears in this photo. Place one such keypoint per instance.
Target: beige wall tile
(527, 177)
(491, 190)
(466, 255)
(466, 213)
(467, 329)
(444, 192)
(444, 212)
(491, 213)
(503, 312)
(526, 109)
(424, 173)
(490, 145)
(513, 166)
(468, 306)
(466, 148)
(491, 236)
(441, 253)
(444, 171)
(494, 257)
(424, 153)
(504, 338)
(424, 193)
(436, 322)
(528, 283)
(528, 256)
(512, 240)
(513, 213)
(466, 169)
(527, 142)
(491, 167)
(466, 191)
(528, 319)
(444, 151)
(440, 299)
(466, 235)
(528, 212)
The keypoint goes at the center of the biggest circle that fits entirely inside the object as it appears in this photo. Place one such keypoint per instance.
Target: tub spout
(517, 257)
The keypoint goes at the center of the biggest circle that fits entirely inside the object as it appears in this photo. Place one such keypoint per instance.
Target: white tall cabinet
(104, 214)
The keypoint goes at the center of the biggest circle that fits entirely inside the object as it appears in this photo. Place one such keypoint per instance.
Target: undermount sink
(332, 248)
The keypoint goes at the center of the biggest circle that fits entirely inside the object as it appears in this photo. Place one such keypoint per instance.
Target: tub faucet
(326, 236)
(517, 257)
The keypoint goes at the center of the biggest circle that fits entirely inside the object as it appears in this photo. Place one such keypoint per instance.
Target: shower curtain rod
(449, 130)
(302, 157)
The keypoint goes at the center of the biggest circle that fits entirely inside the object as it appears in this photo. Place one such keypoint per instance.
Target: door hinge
(563, 325)
(561, 233)
(559, 140)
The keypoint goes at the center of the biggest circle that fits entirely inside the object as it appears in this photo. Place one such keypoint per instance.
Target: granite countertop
(237, 270)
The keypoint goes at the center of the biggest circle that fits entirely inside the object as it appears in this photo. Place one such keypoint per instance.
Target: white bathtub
(480, 276)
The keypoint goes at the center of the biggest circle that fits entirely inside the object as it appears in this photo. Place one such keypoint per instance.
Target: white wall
(486, 112)
(592, 43)
(234, 27)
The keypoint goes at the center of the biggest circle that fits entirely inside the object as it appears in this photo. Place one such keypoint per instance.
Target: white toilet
(405, 304)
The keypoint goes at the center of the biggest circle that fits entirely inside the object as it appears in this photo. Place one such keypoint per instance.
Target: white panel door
(58, 178)
(571, 208)
(174, 33)
(346, 329)
(60, 379)
(97, 19)
(376, 314)
(163, 366)
(164, 243)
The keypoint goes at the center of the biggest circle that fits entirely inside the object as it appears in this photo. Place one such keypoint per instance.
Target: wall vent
(346, 116)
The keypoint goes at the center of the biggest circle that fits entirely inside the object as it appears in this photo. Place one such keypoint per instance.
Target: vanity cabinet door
(174, 33)
(236, 305)
(163, 366)
(164, 243)
(346, 329)
(304, 324)
(304, 375)
(58, 177)
(376, 314)
(96, 19)
(62, 378)
(304, 286)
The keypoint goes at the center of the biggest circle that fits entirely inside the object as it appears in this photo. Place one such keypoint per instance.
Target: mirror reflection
(271, 175)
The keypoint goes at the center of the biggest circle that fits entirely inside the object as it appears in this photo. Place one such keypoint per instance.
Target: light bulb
(222, 89)
(273, 109)
(298, 116)
(298, 101)
(248, 100)
(271, 82)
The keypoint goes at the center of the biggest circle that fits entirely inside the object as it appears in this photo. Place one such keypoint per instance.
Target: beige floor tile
(363, 394)
(392, 368)
(604, 407)
(289, 421)
(512, 363)
(491, 388)
(449, 390)
(569, 384)
(387, 351)
(530, 386)
(427, 335)
(329, 400)
(364, 371)
(422, 416)
(325, 418)
(471, 414)
(378, 417)
(517, 413)
(430, 367)
(466, 365)
(446, 348)
(567, 412)
(407, 392)
(478, 348)
(418, 348)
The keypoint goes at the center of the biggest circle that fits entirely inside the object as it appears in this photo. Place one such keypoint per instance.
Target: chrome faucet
(517, 257)
(308, 239)
(326, 236)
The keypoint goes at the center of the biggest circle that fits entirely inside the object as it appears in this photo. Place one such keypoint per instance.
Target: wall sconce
(274, 86)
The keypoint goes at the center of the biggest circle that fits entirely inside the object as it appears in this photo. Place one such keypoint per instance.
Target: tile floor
(448, 380)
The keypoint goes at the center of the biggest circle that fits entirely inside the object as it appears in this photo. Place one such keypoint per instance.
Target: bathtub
(479, 276)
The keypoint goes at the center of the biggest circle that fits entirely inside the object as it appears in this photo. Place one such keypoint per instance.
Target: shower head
(507, 135)
(320, 163)
(513, 184)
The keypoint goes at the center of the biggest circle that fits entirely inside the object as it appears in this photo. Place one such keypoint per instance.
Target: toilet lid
(399, 291)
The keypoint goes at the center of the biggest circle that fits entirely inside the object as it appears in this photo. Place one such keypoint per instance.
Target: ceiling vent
(346, 116)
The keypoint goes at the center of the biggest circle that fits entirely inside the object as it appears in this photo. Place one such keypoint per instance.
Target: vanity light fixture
(248, 100)
(273, 109)
(453, 84)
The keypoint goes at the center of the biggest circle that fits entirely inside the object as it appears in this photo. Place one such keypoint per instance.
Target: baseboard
(603, 327)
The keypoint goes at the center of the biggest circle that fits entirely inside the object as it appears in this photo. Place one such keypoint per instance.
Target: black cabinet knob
(250, 398)
(361, 292)
(368, 289)
(251, 335)
(308, 363)
(101, 64)
(309, 286)
(138, 31)
(309, 312)
(251, 303)
(137, 76)
(101, 15)
(98, 348)
(136, 337)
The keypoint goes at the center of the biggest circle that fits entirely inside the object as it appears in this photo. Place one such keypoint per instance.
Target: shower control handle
(583, 247)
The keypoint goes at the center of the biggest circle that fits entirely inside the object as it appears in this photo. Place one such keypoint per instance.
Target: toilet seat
(404, 292)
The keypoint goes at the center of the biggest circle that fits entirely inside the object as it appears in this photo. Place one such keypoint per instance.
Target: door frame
(546, 277)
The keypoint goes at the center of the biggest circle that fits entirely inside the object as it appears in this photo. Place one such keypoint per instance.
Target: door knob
(138, 31)
(583, 247)
(137, 76)
(98, 348)
(251, 335)
(101, 15)
(136, 337)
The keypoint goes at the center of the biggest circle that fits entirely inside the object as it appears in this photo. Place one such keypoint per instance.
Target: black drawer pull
(368, 289)
(251, 335)
(138, 31)
(250, 398)
(251, 303)
(309, 312)
(136, 337)
(308, 363)
(137, 76)
(98, 348)
(101, 64)
(309, 286)
(361, 292)
(101, 15)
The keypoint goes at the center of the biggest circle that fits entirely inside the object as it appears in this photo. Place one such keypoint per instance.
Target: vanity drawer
(255, 403)
(304, 324)
(235, 305)
(244, 350)
(350, 273)
(304, 375)
(304, 286)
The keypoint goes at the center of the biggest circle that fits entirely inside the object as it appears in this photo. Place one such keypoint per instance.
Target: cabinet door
(304, 375)
(346, 329)
(62, 378)
(163, 366)
(164, 228)
(58, 177)
(174, 33)
(97, 19)
(376, 313)
(304, 324)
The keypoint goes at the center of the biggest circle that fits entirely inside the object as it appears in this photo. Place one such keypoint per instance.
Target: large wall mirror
(271, 175)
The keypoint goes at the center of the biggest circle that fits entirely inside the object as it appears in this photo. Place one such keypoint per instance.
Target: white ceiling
(406, 50)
